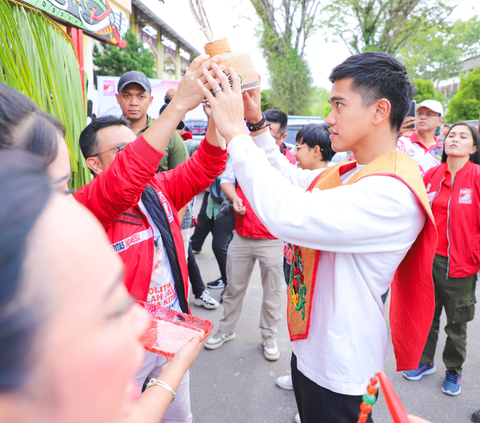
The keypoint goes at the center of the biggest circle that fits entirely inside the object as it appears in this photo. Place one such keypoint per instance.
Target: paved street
(237, 384)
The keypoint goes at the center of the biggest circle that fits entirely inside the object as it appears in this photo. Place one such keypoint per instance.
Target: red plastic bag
(170, 330)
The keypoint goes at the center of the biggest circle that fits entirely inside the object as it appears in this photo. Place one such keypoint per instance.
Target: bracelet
(254, 127)
(161, 383)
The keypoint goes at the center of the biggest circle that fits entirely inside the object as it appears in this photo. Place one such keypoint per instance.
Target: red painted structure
(77, 39)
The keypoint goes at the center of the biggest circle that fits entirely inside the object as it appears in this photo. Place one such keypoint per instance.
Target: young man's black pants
(320, 405)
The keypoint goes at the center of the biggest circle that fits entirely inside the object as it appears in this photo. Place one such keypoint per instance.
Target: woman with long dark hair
(453, 188)
(69, 331)
(26, 127)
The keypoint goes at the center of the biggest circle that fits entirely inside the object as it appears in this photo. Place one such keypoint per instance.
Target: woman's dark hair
(475, 157)
(376, 75)
(25, 189)
(317, 134)
(25, 126)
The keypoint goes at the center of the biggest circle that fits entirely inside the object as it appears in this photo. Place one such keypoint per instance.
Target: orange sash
(412, 299)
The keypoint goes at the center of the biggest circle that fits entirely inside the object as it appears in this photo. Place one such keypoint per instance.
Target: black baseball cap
(134, 77)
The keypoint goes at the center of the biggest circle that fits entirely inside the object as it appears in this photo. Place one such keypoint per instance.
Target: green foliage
(269, 100)
(38, 59)
(114, 61)
(437, 53)
(319, 100)
(327, 109)
(291, 81)
(424, 90)
(283, 35)
(465, 104)
(383, 25)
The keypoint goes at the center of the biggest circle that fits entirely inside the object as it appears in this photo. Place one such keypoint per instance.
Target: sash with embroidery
(412, 299)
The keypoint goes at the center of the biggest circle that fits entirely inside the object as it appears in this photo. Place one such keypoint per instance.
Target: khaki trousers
(241, 257)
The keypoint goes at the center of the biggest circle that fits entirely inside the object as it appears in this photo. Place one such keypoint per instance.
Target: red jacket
(249, 224)
(285, 150)
(113, 198)
(463, 223)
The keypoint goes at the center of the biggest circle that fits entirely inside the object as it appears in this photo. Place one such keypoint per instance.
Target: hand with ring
(226, 102)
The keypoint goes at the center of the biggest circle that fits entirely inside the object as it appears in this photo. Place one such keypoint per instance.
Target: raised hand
(188, 95)
(226, 102)
(409, 121)
(252, 102)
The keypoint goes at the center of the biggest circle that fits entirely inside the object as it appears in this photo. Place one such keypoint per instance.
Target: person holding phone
(422, 145)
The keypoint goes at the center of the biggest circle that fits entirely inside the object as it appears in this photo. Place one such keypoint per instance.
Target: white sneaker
(205, 300)
(285, 382)
(217, 340)
(270, 348)
(297, 418)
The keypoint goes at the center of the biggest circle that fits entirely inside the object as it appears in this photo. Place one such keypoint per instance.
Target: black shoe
(217, 284)
(476, 416)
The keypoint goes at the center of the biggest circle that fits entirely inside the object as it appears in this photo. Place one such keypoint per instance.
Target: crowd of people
(401, 219)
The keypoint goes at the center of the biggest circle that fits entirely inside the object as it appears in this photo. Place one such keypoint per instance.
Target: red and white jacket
(113, 198)
(426, 158)
(463, 217)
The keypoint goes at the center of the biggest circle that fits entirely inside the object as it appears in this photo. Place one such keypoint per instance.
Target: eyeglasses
(297, 147)
(280, 136)
(118, 148)
(427, 115)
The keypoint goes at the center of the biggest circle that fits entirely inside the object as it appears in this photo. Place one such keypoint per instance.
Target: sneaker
(217, 340)
(285, 382)
(422, 370)
(270, 348)
(206, 301)
(476, 416)
(452, 383)
(297, 418)
(217, 284)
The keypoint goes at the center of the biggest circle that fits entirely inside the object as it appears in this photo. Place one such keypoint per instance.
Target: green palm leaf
(38, 59)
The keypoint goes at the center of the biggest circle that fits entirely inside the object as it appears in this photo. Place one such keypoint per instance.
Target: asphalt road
(236, 384)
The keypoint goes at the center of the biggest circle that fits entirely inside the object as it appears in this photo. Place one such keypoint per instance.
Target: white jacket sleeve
(297, 176)
(377, 213)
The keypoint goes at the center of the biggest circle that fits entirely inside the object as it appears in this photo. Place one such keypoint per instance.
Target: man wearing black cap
(134, 97)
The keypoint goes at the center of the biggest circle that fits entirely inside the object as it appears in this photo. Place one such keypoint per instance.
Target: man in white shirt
(359, 233)
(422, 145)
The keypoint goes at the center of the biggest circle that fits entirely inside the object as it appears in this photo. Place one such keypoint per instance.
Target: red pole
(77, 39)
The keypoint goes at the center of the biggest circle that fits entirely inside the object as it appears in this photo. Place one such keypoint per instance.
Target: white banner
(107, 102)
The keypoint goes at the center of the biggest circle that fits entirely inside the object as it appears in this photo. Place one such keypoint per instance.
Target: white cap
(433, 105)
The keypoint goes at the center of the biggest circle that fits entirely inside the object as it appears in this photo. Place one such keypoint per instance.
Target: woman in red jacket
(453, 189)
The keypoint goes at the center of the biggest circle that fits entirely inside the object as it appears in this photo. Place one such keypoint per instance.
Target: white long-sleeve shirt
(363, 231)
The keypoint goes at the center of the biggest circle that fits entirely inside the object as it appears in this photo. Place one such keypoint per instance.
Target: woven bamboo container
(241, 62)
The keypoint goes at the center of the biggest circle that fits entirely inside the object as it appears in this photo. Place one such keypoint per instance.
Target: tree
(114, 61)
(320, 100)
(269, 100)
(424, 90)
(286, 27)
(384, 25)
(465, 104)
(436, 54)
